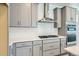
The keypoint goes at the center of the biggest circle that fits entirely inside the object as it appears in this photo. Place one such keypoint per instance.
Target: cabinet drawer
(23, 44)
(51, 46)
(37, 42)
(51, 52)
(50, 40)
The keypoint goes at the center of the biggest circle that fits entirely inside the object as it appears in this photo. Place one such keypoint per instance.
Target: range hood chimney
(45, 16)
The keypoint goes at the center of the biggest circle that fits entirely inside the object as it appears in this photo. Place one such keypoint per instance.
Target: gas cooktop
(48, 36)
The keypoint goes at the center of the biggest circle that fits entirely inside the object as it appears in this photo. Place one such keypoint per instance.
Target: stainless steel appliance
(45, 16)
(71, 34)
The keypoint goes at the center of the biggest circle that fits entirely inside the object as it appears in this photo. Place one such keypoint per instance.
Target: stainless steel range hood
(45, 17)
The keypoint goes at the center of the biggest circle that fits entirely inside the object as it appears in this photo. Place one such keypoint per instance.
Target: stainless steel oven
(71, 34)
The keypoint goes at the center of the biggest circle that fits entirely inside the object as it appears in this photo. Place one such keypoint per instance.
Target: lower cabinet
(24, 51)
(37, 50)
(51, 47)
(63, 45)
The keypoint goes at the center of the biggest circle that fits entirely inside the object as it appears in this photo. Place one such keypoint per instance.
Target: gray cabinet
(51, 47)
(46, 47)
(24, 51)
(34, 14)
(57, 17)
(70, 14)
(63, 45)
(23, 15)
(14, 15)
(37, 48)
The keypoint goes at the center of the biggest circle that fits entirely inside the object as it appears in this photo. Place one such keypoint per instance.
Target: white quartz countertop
(23, 35)
(61, 36)
(73, 50)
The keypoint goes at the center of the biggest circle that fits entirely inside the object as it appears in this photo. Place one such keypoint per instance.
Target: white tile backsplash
(47, 29)
(42, 29)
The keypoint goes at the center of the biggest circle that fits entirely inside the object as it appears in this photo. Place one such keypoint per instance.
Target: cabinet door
(73, 14)
(57, 17)
(34, 14)
(25, 15)
(37, 50)
(20, 14)
(63, 45)
(24, 51)
(68, 14)
(14, 15)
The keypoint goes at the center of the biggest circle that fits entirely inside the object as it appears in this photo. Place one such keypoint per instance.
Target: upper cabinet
(14, 21)
(57, 17)
(23, 15)
(34, 14)
(70, 14)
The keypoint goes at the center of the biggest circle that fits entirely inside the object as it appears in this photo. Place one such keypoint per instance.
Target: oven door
(71, 34)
